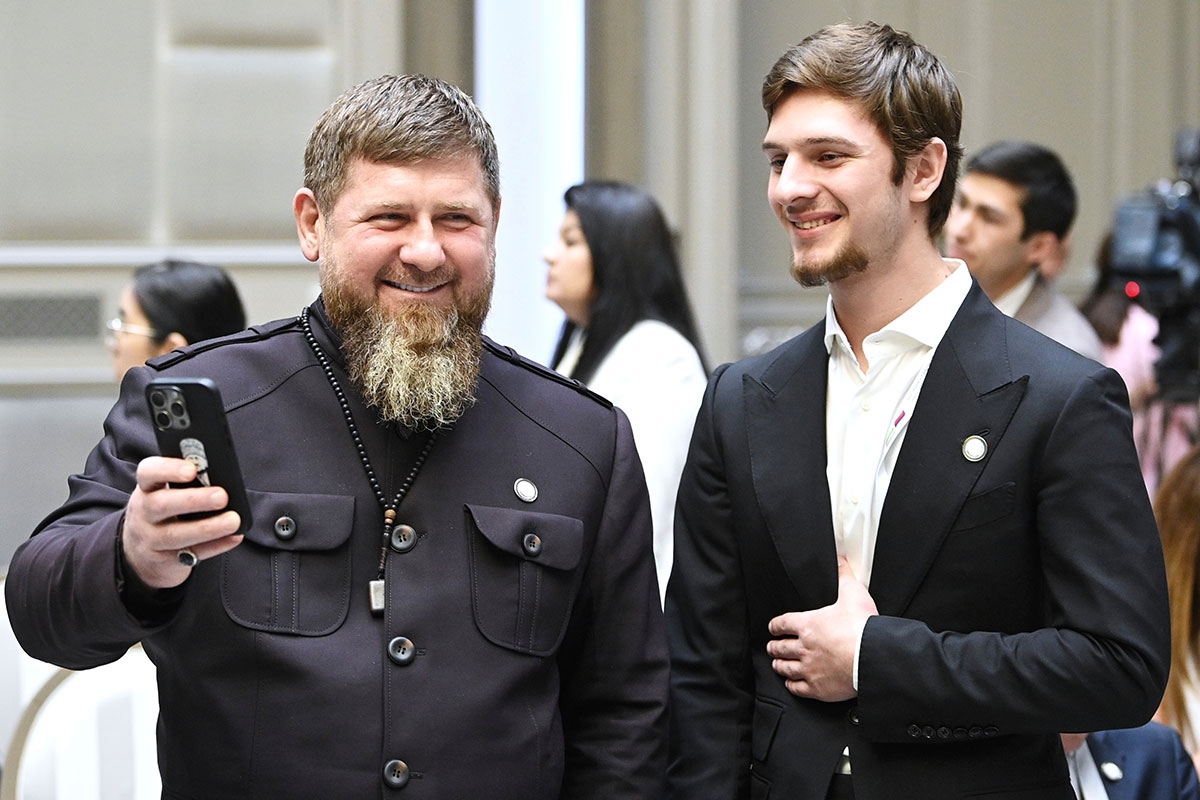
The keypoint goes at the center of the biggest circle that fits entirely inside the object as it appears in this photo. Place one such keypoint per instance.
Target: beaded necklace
(376, 586)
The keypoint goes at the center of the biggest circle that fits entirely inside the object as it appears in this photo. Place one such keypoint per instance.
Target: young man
(448, 588)
(1012, 215)
(912, 544)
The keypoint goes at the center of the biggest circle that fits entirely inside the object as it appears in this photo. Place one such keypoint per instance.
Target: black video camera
(1156, 260)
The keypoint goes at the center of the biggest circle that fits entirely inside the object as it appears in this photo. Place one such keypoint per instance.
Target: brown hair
(1177, 509)
(903, 88)
(397, 119)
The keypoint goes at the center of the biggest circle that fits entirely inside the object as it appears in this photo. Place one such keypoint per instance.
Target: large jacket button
(914, 731)
(404, 538)
(402, 651)
(532, 545)
(285, 528)
(395, 774)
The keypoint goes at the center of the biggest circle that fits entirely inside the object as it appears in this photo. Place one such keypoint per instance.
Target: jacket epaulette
(252, 334)
(512, 356)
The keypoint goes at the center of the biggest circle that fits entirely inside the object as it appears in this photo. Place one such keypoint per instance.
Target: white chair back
(21, 676)
(87, 735)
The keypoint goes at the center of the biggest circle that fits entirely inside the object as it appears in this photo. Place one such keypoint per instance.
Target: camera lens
(158, 399)
(177, 409)
(163, 420)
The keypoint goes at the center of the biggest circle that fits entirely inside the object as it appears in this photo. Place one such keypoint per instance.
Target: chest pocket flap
(524, 569)
(291, 575)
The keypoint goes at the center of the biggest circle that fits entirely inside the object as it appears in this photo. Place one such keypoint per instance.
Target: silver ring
(188, 558)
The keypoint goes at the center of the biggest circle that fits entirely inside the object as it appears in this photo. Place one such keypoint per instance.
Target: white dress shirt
(1012, 300)
(1085, 775)
(867, 413)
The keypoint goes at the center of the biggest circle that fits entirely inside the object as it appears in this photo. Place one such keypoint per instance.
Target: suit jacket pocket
(292, 573)
(767, 715)
(524, 574)
(988, 506)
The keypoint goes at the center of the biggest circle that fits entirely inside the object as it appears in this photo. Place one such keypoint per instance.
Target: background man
(1146, 763)
(979, 478)
(1013, 214)
(448, 587)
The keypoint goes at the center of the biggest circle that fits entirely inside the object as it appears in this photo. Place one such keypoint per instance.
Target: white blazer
(654, 375)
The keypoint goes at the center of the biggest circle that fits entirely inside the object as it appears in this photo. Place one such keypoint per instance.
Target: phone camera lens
(158, 399)
(177, 409)
(163, 420)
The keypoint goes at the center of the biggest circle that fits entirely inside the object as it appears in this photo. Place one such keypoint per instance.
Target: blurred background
(135, 130)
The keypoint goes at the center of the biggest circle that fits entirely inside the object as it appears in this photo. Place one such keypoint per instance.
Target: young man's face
(831, 187)
(984, 230)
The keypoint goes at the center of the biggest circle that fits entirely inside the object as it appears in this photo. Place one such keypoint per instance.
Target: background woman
(169, 304)
(1164, 428)
(1177, 509)
(629, 333)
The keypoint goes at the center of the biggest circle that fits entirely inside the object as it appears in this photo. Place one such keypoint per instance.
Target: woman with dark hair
(169, 304)
(629, 333)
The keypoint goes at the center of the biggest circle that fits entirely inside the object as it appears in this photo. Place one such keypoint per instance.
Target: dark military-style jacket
(520, 653)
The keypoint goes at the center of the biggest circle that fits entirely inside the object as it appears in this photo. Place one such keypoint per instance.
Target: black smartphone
(189, 423)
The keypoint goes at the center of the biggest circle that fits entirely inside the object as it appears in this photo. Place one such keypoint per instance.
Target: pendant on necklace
(376, 588)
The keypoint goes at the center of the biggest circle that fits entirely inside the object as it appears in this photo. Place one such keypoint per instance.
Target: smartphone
(189, 423)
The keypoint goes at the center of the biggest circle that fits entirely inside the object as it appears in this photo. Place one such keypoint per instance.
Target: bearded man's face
(408, 266)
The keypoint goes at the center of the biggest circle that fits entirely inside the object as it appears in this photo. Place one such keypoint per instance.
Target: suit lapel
(968, 392)
(785, 422)
(1121, 788)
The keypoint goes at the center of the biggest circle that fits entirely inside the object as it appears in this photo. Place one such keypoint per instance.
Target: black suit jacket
(499, 669)
(1019, 595)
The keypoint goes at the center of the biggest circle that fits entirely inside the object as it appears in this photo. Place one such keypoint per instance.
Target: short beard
(418, 367)
(850, 260)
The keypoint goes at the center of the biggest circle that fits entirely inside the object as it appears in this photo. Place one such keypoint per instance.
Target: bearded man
(447, 588)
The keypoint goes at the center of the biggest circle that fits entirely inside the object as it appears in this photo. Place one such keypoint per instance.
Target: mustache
(403, 276)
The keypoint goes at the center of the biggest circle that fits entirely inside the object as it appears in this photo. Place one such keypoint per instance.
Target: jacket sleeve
(614, 663)
(711, 677)
(1097, 657)
(62, 589)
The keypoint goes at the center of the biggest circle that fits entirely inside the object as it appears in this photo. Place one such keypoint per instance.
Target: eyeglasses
(118, 325)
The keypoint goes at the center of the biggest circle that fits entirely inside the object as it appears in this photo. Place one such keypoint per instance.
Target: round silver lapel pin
(974, 448)
(526, 490)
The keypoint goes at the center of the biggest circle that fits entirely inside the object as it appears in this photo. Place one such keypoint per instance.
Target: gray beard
(419, 368)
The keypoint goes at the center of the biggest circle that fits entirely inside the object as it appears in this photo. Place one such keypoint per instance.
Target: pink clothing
(1159, 445)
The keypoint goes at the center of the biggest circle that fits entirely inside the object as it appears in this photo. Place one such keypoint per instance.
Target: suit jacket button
(403, 539)
(852, 715)
(395, 774)
(285, 528)
(944, 732)
(975, 732)
(402, 651)
(927, 732)
(914, 731)
(960, 733)
(532, 545)
(991, 730)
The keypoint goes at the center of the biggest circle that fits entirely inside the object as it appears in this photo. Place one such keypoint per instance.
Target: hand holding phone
(189, 423)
